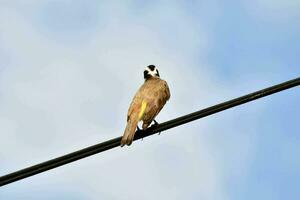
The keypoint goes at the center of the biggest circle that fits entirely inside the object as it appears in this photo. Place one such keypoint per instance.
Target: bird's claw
(156, 124)
(138, 130)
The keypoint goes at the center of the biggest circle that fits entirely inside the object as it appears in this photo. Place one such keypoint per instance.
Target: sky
(69, 69)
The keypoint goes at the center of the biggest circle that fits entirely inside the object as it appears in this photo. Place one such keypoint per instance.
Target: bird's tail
(130, 129)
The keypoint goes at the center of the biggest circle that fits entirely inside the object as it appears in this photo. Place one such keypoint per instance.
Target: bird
(146, 104)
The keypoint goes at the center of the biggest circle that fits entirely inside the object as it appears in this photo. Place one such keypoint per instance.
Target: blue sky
(68, 71)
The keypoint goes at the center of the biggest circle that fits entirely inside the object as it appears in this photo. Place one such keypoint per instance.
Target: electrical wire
(104, 146)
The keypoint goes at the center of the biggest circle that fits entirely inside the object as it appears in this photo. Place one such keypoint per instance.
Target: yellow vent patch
(143, 109)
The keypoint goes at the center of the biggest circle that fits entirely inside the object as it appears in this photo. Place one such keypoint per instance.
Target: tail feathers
(130, 130)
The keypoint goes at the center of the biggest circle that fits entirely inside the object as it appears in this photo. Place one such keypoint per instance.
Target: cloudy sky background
(68, 71)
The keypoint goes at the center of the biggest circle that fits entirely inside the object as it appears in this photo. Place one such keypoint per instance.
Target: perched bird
(146, 104)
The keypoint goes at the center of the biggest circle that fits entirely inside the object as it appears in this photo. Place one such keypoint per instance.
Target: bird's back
(155, 92)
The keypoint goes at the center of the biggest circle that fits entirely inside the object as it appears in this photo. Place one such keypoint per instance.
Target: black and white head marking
(151, 71)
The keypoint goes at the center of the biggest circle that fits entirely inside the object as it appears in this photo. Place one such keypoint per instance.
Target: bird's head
(151, 71)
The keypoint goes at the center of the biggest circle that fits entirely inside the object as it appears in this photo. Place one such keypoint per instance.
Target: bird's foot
(138, 130)
(156, 124)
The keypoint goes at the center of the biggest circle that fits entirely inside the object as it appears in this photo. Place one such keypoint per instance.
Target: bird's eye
(146, 74)
(157, 73)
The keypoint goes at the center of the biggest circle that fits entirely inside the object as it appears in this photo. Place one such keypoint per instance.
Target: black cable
(39, 168)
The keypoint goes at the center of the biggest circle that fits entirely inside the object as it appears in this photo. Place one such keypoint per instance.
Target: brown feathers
(154, 93)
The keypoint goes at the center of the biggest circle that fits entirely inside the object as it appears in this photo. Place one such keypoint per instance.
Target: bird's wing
(157, 95)
(166, 91)
(136, 102)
